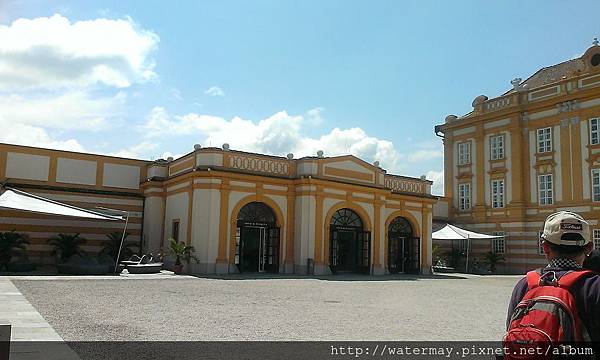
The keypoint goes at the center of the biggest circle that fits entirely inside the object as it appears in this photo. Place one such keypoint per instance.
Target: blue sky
(150, 79)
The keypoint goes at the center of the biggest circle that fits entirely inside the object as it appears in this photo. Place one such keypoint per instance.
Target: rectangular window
(497, 147)
(540, 246)
(544, 140)
(545, 186)
(175, 230)
(596, 239)
(499, 244)
(594, 133)
(464, 153)
(464, 196)
(596, 184)
(497, 193)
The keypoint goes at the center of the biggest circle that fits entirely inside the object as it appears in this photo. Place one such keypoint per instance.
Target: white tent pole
(121, 246)
(467, 262)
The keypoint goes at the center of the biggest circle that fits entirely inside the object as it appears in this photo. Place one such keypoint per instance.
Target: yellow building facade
(242, 212)
(518, 157)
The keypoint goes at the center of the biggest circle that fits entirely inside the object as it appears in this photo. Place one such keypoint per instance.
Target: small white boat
(143, 265)
(151, 268)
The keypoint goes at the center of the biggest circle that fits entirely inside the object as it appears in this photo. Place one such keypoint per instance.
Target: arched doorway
(349, 244)
(257, 239)
(404, 249)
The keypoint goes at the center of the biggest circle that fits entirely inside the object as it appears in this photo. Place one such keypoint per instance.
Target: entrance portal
(257, 239)
(404, 249)
(349, 245)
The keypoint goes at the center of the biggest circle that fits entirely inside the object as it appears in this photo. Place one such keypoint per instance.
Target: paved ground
(32, 336)
(401, 308)
(26, 323)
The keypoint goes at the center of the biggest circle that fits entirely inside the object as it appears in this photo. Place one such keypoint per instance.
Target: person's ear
(589, 248)
(546, 247)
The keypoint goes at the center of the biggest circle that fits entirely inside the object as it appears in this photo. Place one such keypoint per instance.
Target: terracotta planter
(178, 269)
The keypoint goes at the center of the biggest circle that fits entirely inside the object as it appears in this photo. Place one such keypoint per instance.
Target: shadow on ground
(51, 271)
(337, 277)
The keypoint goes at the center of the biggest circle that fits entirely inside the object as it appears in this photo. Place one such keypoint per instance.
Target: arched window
(256, 212)
(400, 225)
(346, 218)
(595, 60)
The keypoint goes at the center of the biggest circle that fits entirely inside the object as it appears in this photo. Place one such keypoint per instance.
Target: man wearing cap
(566, 241)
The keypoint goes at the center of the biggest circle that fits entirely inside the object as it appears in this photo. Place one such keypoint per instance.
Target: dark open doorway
(257, 239)
(349, 244)
(404, 249)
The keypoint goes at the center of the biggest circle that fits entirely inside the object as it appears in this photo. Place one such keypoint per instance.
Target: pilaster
(319, 227)
(516, 168)
(190, 213)
(479, 171)
(222, 261)
(565, 162)
(448, 165)
(426, 240)
(2, 165)
(291, 217)
(576, 157)
(376, 232)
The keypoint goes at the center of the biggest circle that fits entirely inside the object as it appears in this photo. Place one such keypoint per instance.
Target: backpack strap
(533, 279)
(570, 278)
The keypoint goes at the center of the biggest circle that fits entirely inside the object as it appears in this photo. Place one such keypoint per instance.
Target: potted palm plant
(13, 245)
(493, 259)
(181, 251)
(111, 246)
(66, 245)
(72, 259)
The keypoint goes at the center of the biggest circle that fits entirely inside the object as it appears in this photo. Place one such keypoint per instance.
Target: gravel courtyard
(400, 308)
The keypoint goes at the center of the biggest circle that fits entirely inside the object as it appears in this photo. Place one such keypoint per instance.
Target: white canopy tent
(13, 199)
(451, 232)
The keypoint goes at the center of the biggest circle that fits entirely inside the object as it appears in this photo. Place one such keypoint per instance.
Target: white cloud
(53, 52)
(278, 134)
(23, 134)
(50, 69)
(138, 151)
(168, 154)
(438, 181)
(314, 116)
(214, 91)
(424, 155)
(31, 135)
(70, 110)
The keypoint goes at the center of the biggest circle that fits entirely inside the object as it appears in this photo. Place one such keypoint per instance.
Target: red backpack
(546, 317)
